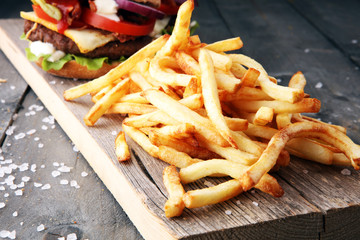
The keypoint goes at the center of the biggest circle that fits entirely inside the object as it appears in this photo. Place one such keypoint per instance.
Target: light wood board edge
(149, 225)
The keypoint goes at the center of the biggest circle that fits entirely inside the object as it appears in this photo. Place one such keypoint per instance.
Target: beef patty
(113, 50)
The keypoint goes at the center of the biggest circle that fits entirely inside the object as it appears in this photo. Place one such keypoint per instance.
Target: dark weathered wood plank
(337, 20)
(11, 93)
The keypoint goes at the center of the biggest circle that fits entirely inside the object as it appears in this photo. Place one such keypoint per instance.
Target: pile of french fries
(208, 113)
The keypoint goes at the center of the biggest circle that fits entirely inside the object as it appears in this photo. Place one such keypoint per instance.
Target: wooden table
(320, 38)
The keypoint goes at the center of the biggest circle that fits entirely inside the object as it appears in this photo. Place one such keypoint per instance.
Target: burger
(85, 39)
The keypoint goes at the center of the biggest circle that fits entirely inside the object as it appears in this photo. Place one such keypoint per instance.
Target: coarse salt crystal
(75, 149)
(19, 192)
(61, 238)
(36, 139)
(10, 130)
(56, 164)
(21, 185)
(6, 194)
(25, 179)
(33, 167)
(37, 184)
(73, 183)
(64, 182)
(13, 186)
(84, 174)
(55, 173)
(2, 205)
(21, 223)
(19, 136)
(114, 133)
(42, 166)
(228, 212)
(43, 127)
(46, 186)
(354, 41)
(346, 172)
(40, 228)
(23, 167)
(52, 82)
(255, 203)
(71, 236)
(4, 233)
(12, 87)
(15, 214)
(40, 145)
(13, 166)
(319, 85)
(12, 235)
(2, 188)
(30, 132)
(64, 169)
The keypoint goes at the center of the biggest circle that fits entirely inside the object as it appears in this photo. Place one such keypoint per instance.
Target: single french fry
(211, 98)
(187, 63)
(116, 73)
(179, 34)
(141, 139)
(174, 206)
(121, 148)
(220, 61)
(264, 116)
(106, 101)
(244, 93)
(275, 91)
(176, 158)
(310, 105)
(226, 45)
(133, 98)
(192, 88)
(130, 108)
(250, 78)
(183, 130)
(283, 120)
(236, 124)
(302, 118)
(297, 81)
(260, 131)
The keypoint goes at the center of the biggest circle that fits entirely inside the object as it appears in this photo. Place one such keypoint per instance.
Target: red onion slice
(140, 9)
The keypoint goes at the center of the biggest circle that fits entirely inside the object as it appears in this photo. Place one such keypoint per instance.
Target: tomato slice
(168, 9)
(121, 27)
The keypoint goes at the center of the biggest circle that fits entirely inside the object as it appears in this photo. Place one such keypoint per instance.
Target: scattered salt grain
(36, 139)
(12, 235)
(75, 149)
(12, 87)
(15, 116)
(6, 195)
(319, 85)
(4, 233)
(40, 145)
(42, 166)
(2, 188)
(84, 174)
(71, 236)
(113, 133)
(10, 130)
(37, 184)
(64, 169)
(255, 203)
(33, 167)
(55, 173)
(19, 136)
(346, 172)
(73, 183)
(2, 204)
(2, 101)
(15, 214)
(61, 238)
(25, 179)
(43, 127)
(46, 186)
(56, 164)
(64, 182)
(354, 41)
(31, 132)
(21, 223)
(305, 171)
(40, 228)
(306, 50)
(21, 185)
(13, 166)
(19, 192)
(13, 186)
(228, 212)
(52, 82)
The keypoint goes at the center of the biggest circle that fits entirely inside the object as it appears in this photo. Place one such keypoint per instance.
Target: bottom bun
(72, 69)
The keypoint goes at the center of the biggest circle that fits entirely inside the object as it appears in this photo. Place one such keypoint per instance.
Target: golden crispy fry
(244, 93)
(121, 148)
(133, 98)
(187, 63)
(116, 73)
(250, 78)
(260, 131)
(106, 101)
(297, 81)
(230, 44)
(131, 108)
(302, 118)
(310, 105)
(263, 116)
(236, 124)
(220, 61)
(141, 139)
(179, 36)
(283, 120)
(212, 195)
(174, 205)
(281, 93)
(211, 98)
(176, 158)
(183, 130)
(301, 129)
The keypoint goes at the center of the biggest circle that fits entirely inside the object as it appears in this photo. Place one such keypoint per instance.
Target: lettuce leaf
(90, 63)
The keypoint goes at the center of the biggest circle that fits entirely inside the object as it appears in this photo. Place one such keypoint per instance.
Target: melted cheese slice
(86, 39)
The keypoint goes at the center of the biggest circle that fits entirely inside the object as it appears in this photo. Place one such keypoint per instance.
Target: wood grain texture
(279, 41)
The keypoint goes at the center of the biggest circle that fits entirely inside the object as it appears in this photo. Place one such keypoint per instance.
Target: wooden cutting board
(138, 188)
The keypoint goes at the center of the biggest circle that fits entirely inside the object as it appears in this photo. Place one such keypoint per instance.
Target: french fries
(212, 114)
